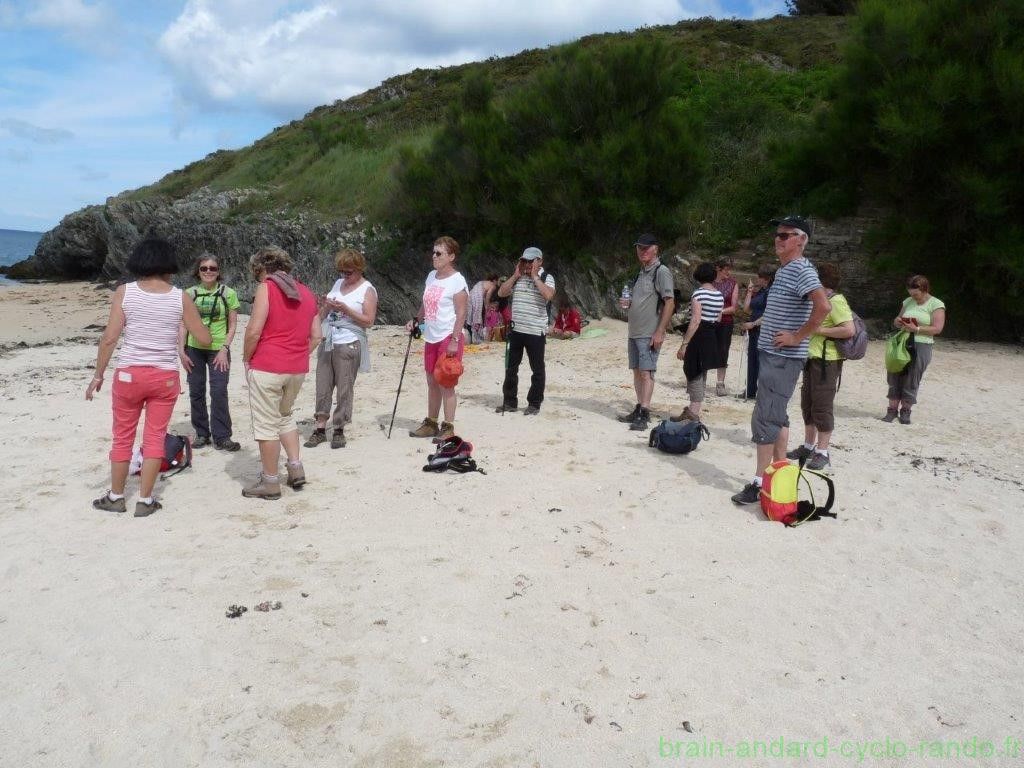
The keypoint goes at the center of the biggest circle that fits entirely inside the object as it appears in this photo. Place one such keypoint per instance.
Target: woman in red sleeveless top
(283, 330)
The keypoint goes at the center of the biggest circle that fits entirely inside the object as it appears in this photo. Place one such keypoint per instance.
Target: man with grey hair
(648, 310)
(531, 289)
(797, 303)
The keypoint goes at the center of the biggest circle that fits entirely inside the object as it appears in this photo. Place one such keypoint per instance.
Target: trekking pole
(413, 334)
(742, 372)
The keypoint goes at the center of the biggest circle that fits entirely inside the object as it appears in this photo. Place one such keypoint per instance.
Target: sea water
(16, 245)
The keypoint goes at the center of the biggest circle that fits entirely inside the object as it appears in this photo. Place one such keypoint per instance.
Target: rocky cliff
(94, 243)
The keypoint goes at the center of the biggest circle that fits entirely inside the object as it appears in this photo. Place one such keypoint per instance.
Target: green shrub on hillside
(597, 144)
(928, 118)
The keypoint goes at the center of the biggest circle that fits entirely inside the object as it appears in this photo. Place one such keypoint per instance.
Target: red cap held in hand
(447, 371)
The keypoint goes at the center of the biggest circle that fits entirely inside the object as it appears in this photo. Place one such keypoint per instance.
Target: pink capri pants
(135, 389)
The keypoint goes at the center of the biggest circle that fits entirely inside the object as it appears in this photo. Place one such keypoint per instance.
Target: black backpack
(678, 436)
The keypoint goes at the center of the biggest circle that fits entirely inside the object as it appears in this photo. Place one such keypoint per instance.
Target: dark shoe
(626, 418)
(904, 415)
(296, 476)
(142, 509)
(201, 441)
(751, 494)
(818, 461)
(890, 415)
(108, 504)
(642, 421)
(686, 415)
(226, 444)
(427, 428)
(261, 489)
(338, 438)
(506, 409)
(800, 452)
(531, 410)
(318, 436)
(745, 396)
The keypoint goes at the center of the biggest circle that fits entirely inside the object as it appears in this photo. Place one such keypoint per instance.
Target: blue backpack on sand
(678, 436)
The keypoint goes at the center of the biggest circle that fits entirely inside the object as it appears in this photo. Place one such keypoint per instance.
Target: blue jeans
(202, 361)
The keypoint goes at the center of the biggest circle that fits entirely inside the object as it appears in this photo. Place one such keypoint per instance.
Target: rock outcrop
(94, 243)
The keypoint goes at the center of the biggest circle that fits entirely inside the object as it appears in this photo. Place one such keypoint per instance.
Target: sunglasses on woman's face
(439, 253)
(209, 269)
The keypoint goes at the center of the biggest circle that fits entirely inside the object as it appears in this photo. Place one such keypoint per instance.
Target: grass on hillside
(757, 82)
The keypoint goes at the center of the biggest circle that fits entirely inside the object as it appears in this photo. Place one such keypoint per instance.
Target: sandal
(108, 504)
(142, 509)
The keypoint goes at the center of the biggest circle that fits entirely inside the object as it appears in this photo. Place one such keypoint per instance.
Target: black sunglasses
(209, 269)
(784, 236)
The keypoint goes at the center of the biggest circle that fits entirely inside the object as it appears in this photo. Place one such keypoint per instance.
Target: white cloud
(18, 156)
(73, 16)
(290, 56)
(23, 129)
(88, 173)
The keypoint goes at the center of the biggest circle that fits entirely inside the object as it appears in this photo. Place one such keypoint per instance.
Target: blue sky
(100, 96)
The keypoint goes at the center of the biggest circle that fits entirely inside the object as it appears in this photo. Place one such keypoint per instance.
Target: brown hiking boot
(686, 415)
(296, 476)
(318, 436)
(338, 438)
(426, 429)
(262, 489)
(447, 430)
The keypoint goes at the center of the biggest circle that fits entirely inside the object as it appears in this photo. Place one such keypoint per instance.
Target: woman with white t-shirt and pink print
(443, 312)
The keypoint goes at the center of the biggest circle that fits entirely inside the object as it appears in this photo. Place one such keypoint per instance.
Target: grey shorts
(641, 356)
(776, 381)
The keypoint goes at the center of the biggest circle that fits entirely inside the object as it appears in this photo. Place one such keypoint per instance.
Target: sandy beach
(587, 602)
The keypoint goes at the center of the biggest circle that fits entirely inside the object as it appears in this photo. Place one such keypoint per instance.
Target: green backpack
(899, 351)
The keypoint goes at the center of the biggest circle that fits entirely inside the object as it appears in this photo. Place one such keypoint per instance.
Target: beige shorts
(271, 401)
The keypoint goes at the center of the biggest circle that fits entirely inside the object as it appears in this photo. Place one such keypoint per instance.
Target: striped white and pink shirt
(150, 329)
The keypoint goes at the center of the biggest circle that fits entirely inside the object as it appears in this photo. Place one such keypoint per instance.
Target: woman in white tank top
(347, 311)
(149, 311)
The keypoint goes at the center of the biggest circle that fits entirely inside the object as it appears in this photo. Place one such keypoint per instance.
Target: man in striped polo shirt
(797, 304)
(531, 289)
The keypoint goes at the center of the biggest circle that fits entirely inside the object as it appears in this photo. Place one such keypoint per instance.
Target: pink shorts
(135, 389)
(433, 351)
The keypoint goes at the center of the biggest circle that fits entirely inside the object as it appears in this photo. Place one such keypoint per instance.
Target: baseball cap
(532, 254)
(447, 371)
(797, 222)
(646, 239)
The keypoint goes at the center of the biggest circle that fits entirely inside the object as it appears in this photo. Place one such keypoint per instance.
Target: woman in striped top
(699, 350)
(149, 311)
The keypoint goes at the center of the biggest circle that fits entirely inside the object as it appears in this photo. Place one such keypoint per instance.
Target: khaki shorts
(271, 400)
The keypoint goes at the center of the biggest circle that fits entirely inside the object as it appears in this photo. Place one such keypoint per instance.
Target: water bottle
(627, 294)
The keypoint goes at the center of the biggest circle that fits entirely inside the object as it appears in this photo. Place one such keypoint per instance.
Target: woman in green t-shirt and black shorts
(218, 308)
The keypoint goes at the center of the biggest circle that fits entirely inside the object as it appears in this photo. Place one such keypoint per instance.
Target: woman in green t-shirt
(218, 308)
(821, 374)
(924, 316)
